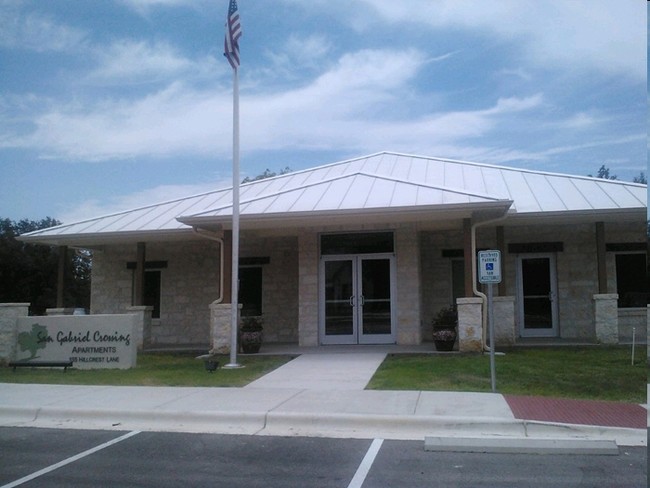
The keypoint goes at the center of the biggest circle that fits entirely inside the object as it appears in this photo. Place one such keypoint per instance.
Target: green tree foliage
(267, 174)
(642, 178)
(33, 341)
(28, 272)
(603, 172)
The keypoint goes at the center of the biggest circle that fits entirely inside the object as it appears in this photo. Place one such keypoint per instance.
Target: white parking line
(72, 459)
(366, 464)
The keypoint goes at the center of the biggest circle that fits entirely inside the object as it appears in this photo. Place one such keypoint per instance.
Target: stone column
(407, 250)
(470, 327)
(504, 320)
(9, 313)
(221, 326)
(143, 324)
(308, 289)
(606, 317)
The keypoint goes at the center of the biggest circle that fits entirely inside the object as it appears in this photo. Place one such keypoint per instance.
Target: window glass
(152, 292)
(632, 281)
(359, 243)
(250, 291)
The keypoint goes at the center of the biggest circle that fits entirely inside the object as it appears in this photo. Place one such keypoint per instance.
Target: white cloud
(143, 7)
(298, 53)
(36, 32)
(604, 35)
(172, 121)
(357, 105)
(128, 61)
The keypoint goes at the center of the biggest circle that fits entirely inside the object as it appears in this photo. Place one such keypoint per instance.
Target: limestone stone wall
(436, 270)
(189, 284)
(279, 283)
(407, 250)
(308, 287)
(9, 312)
(577, 269)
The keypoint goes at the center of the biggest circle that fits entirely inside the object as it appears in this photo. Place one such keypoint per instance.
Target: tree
(603, 173)
(641, 178)
(267, 174)
(28, 272)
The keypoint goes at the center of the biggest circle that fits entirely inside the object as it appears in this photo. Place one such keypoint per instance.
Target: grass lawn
(153, 370)
(597, 373)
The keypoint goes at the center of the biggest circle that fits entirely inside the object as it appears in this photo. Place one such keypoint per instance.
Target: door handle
(362, 300)
(352, 301)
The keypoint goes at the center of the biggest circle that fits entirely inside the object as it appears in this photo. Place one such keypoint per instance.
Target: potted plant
(250, 335)
(444, 329)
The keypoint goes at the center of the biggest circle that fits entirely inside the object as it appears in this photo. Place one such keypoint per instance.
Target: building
(368, 250)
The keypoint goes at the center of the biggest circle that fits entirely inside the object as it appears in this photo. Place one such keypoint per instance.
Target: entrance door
(537, 295)
(356, 300)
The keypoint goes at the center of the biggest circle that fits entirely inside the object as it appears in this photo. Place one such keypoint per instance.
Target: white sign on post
(489, 266)
(490, 273)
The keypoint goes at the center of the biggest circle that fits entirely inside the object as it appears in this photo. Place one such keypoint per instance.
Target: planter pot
(444, 345)
(250, 341)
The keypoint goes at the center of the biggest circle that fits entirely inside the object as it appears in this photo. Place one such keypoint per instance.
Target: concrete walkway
(329, 371)
(320, 395)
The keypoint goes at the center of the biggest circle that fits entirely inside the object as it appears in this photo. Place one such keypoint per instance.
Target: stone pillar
(470, 327)
(9, 313)
(143, 324)
(308, 289)
(504, 320)
(606, 317)
(407, 250)
(221, 326)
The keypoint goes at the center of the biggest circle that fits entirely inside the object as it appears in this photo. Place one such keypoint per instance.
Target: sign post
(490, 273)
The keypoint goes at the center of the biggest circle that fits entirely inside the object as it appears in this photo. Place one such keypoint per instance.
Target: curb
(521, 446)
(301, 424)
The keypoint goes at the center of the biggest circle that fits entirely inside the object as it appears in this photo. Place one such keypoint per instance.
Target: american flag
(233, 33)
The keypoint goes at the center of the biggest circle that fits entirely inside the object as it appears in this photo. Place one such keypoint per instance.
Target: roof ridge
(341, 177)
(509, 168)
(433, 187)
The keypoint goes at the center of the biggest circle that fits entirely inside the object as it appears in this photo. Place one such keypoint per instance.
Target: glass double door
(356, 299)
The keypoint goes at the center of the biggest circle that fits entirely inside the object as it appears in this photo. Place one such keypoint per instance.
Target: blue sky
(113, 104)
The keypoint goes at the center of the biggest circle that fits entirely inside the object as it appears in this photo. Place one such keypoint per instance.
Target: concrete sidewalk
(311, 397)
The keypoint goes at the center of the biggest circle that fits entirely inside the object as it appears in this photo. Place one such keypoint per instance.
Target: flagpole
(234, 287)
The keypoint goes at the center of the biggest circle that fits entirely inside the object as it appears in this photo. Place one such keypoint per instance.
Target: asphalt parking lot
(60, 457)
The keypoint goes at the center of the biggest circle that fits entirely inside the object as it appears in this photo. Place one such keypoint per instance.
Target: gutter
(475, 289)
(212, 237)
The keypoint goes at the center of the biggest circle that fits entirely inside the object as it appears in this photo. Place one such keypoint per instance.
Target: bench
(41, 364)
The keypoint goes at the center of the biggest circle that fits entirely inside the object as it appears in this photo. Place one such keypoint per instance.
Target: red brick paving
(586, 412)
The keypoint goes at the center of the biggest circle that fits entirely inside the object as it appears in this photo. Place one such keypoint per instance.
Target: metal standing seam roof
(388, 181)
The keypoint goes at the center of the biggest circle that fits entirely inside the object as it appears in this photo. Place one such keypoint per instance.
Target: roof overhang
(97, 240)
(449, 212)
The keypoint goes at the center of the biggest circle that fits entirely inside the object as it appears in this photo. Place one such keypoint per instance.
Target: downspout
(207, 235)
(479, 294)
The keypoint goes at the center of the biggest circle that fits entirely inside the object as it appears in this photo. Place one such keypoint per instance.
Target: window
(250, 290)
(457, 280)
(357, 243)
(151, 291)
(632, 281)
